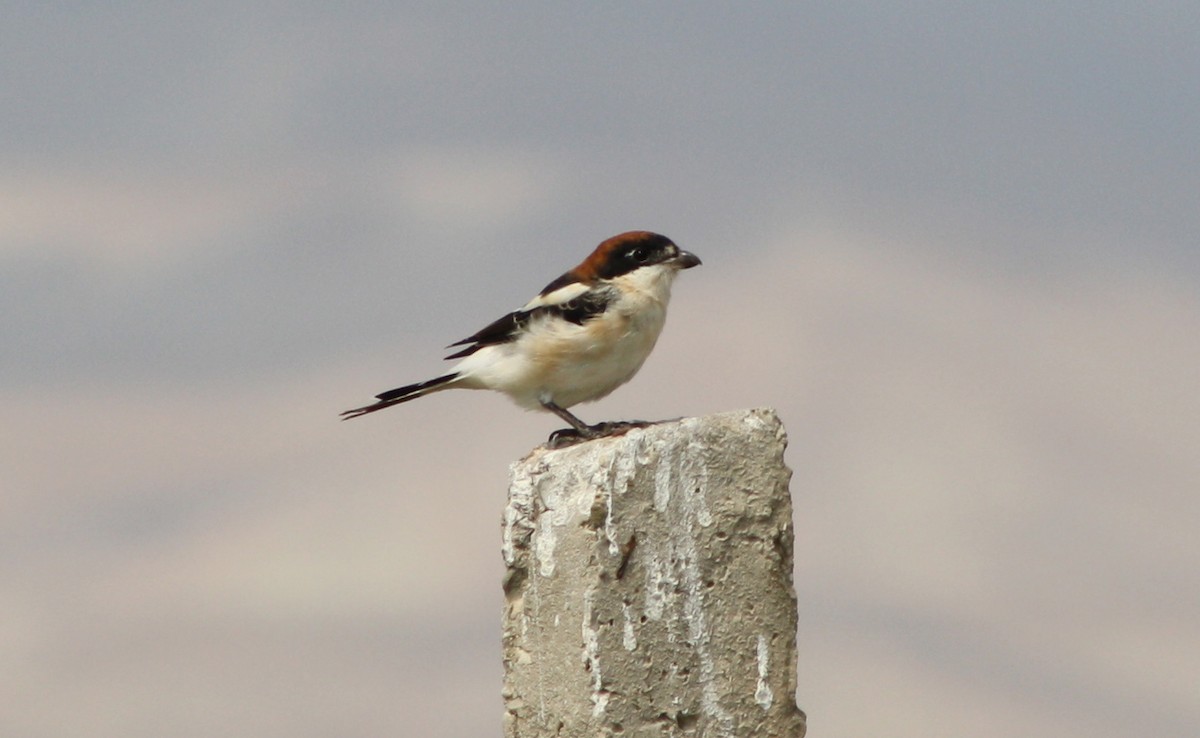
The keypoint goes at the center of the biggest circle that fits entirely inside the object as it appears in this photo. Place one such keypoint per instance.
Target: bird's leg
(581, 427)
(581, 431)
(578, 431)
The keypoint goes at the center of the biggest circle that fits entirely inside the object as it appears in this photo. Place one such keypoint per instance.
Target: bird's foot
(570, 436)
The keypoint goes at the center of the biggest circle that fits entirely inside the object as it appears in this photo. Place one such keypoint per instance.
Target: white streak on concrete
(621, 471)
(698, 633)
(662, 487)
(629, 635)
(518, 516)
(591, 654)
(544, 541)
(692, 482)
(763, 694)
(556, 512)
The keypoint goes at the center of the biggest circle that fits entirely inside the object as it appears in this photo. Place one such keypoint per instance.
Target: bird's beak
(687, 260)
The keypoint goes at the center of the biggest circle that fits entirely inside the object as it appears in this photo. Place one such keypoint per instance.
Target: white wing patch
(558, 296)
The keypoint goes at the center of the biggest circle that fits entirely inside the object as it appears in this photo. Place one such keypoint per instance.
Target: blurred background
(956, 246)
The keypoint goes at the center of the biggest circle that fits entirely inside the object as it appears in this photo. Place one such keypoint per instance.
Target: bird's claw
(566, 437)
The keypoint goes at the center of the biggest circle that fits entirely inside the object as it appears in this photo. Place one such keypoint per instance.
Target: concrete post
(649, 585)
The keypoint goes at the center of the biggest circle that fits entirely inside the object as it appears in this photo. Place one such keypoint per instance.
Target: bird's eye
(640, 254)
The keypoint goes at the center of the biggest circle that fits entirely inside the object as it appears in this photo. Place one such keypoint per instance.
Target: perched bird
(583, 336)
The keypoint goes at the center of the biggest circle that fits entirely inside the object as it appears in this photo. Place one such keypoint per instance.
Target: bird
(585, 334)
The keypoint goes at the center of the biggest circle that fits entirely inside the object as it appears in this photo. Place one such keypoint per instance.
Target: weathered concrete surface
(649, 585)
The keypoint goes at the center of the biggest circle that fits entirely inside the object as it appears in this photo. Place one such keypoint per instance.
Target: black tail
(399, 395)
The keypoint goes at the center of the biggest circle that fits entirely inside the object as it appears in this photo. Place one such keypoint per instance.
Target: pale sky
(955, 246)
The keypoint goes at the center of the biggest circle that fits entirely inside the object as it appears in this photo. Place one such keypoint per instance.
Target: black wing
(577, 311)
(498, 331)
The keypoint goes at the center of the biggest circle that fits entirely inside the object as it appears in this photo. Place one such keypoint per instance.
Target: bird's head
(632, 251)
